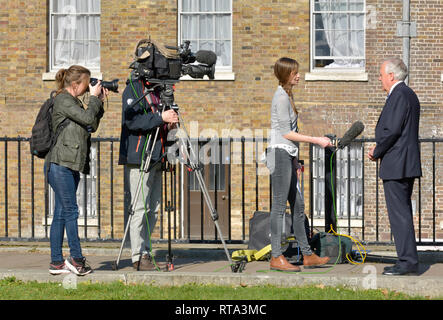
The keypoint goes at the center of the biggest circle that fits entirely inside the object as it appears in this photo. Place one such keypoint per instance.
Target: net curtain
(76, 33)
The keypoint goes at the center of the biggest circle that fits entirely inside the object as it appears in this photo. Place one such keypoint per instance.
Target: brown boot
(313, 260)
(144, 264)
(281, 264)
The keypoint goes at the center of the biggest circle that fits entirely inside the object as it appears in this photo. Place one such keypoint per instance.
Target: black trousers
(398, 202)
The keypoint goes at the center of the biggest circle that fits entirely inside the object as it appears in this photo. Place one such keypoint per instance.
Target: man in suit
(397, 148)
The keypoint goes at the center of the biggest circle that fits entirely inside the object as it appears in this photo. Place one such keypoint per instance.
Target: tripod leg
(213, 212)
(135, 199)
(190, 156)
(115, 263)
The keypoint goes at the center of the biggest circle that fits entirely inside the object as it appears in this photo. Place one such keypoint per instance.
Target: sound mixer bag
(329, 245)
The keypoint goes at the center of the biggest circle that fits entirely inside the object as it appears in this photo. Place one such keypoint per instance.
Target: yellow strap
(239, 254)
(261, 253)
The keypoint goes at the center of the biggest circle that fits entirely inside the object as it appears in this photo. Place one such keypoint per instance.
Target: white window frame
(334, 74)
(52, 69)
(221, 72)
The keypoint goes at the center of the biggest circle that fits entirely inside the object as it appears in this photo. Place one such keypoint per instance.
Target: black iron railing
(25, 216)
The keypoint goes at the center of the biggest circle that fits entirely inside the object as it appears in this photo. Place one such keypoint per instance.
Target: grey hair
(397, 67)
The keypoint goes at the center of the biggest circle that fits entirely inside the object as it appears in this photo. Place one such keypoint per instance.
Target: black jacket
(396, 135)
(138, 122)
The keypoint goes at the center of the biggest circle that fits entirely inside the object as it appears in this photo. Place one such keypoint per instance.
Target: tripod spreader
(214, 215)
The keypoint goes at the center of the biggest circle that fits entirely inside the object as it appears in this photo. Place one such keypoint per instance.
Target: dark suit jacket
(396, 135)
(138, 122)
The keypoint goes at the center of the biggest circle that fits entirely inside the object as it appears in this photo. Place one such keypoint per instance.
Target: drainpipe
(406, 29)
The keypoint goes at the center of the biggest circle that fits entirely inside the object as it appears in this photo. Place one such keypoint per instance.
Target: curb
(431, 287)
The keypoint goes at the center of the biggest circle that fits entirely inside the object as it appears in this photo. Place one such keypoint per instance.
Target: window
(74, 35)
(348, 184)
(338, 35)
(207, 24)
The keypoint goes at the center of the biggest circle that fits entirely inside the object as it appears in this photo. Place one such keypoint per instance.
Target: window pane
(189, 27)
(357, 21)
(206, 26)
(321, 44)
(206, 5)
(94, 6)
(319, 21)
(223, 52)
(339, 5)
(222, 27)
(206, 45)
(321, 5)
(93, 53)
(357, 6)
(336, 21)
(78, 52)
(222, 5)
(61, 53)
(357, 45)
(189, 6)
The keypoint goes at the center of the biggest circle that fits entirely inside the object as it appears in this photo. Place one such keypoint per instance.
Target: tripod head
(166, 88)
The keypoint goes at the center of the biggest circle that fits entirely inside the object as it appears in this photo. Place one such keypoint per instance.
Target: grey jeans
(284, 188)
(150, 194)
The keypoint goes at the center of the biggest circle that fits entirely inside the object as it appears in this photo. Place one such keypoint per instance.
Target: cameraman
(138, 123)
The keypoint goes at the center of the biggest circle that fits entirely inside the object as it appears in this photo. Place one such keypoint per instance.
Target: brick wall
(262, 32)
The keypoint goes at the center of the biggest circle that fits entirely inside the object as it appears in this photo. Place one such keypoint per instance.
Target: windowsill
(50, 76)
(219, 76)
(336, 76)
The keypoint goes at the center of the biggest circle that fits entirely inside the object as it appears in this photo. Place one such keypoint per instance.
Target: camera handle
(197, 169)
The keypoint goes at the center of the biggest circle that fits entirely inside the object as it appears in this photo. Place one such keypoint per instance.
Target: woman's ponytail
(60, 80)
(65, 77)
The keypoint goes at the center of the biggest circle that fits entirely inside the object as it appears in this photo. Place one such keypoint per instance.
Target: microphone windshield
(206, 57)
(355, 130)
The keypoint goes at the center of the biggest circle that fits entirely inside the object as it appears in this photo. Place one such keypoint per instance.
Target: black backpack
(42, 137)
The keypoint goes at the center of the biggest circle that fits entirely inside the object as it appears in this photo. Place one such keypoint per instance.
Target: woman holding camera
(68, 157)
(281, 159)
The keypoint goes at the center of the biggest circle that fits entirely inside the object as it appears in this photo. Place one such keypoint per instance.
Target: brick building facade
(262, 31)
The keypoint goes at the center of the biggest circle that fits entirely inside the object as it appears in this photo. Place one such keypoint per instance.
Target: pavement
(208, 264)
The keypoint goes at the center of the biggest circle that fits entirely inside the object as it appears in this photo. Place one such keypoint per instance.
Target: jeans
(64, 182)
(149, 198)
(284, 188)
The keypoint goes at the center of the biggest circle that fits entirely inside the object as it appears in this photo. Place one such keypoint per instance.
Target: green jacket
(73, 144)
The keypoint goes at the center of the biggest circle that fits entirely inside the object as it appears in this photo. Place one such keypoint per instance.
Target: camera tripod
(167, 102)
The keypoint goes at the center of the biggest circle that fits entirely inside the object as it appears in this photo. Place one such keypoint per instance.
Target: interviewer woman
(281, 160)
(68, 157)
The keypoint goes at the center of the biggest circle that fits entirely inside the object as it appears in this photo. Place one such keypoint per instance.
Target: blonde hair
(74, 74)
(283, 69)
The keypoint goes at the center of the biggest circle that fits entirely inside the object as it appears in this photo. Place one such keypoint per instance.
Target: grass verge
(13, 289)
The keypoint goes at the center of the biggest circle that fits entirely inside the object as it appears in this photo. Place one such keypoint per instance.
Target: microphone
(206, 57)
(355, 130)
